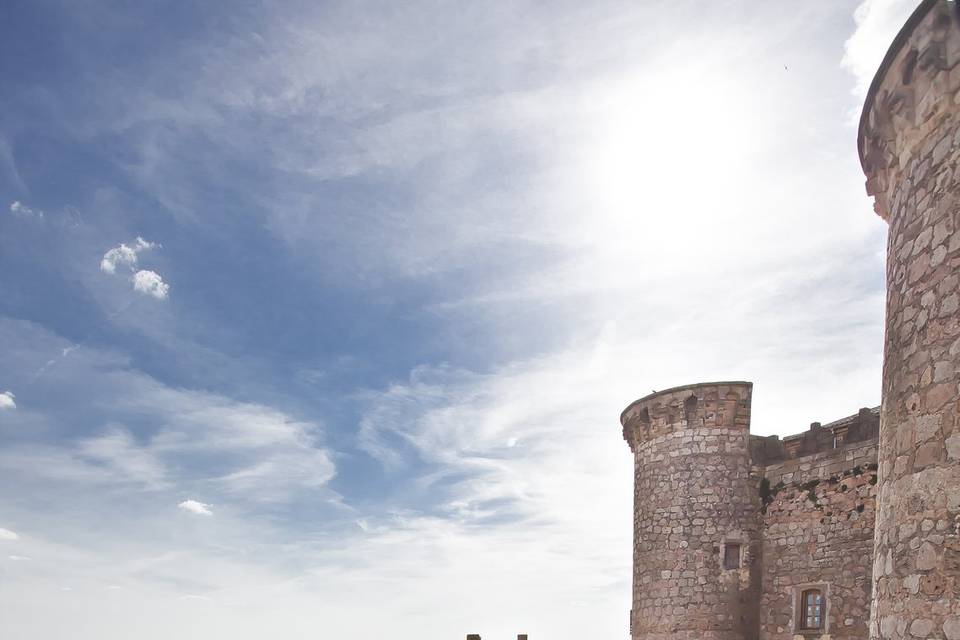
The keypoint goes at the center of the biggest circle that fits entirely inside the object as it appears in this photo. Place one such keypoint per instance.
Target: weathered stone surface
(951, 628)
(927, 557)
(694, 495)
(910, 149)
(953, 446)
(921, 628)
(801, 510)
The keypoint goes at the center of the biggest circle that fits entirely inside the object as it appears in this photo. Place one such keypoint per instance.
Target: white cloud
(262, 454)
(878, 22)
(150, 283)
(18, 558)
(124, 255)
(119, 452)
(20, 209)
(144, 281)
(7, 400)
(6, 534)
(637, 247)
(193, 506)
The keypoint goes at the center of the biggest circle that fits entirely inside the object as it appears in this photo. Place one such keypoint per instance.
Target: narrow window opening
(812, 606)
(731, 556)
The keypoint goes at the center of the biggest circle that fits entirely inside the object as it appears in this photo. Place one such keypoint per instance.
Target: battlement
(718, 513)
(862, 426)
(910, 97)
(704, 405)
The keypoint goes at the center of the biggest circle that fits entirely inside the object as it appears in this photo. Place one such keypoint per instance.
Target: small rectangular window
(812, 609)
(731, 556)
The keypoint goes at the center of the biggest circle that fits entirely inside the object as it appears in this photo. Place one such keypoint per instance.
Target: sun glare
(664, 152)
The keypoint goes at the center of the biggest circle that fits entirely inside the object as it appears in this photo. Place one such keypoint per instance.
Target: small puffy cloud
(194, 506)
(7, 401)
(150, 283)
(17, 208)
(6, 534)
(124, 255)
(18, 558)
(145, 281)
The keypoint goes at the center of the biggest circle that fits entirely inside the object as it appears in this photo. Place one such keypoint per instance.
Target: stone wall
(694, 496)
(910, 149)
(818, 515)
(862, 426)
(863, 522)
(706, 492)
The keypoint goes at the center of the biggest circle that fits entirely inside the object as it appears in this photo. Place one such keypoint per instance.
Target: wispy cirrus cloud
(128, 461)
(17, 208)
(244, 452)
(547, 210)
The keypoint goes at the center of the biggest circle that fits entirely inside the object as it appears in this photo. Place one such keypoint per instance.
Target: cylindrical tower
(695, 514)
(910, 149)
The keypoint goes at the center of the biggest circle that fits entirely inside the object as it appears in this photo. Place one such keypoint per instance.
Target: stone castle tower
(851, 529)
(910, 149)
(695, 503)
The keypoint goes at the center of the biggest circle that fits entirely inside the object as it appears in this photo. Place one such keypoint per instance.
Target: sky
(317, 318)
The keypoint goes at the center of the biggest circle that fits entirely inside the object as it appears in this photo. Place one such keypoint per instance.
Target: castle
(851, 529)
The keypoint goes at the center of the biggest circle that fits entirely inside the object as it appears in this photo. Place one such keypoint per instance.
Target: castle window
(731, 556)
(812, 610)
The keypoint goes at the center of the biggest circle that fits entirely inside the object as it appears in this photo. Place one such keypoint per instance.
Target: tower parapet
(708, 405)
(910, 150)
(695, 513)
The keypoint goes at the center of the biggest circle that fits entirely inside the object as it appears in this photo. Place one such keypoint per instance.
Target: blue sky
(317, 318)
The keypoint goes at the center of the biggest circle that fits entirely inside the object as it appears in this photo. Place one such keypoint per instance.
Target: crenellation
(862, 426)
(714, 507)
(800, 515)
(695, 437)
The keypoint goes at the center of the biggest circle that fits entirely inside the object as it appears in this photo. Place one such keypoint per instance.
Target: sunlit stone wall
(694, 495)
(910, 148)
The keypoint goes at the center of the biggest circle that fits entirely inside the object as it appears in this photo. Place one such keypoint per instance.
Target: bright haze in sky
(317, 318)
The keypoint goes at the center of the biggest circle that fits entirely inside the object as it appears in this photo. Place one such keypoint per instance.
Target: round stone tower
(695, 514)
(910, 150)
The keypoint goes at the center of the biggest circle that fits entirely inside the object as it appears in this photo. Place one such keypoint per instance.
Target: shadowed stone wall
(910, 149)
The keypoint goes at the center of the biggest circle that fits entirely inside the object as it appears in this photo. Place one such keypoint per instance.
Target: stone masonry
(910, 149)
(693, 493)
(851, 529)
(731, 528)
